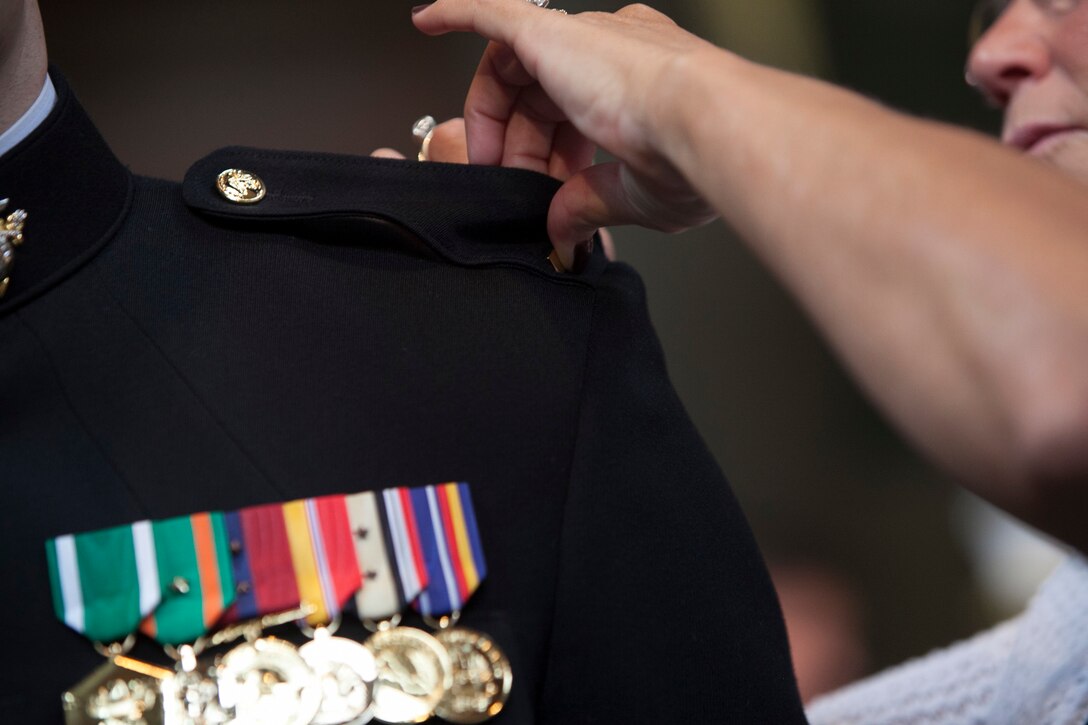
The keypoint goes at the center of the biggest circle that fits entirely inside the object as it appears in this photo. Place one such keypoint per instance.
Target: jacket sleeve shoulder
(659, 573)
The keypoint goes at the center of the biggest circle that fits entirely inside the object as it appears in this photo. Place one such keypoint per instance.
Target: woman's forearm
(950, 274)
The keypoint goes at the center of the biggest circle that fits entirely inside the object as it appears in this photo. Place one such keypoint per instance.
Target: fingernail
(557, 262)
(420, 8)
(582, 253)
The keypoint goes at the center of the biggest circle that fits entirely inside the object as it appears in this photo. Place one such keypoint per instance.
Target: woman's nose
(1015, 49)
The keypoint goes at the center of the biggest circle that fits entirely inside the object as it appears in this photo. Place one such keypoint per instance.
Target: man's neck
(23, 62)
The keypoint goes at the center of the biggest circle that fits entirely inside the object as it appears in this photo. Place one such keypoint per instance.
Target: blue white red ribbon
(452, 551)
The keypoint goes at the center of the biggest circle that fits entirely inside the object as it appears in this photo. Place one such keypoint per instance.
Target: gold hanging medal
(347, 672)
(266, 682)
(192, 697)
(482, 676)
(414, 672)
(121, 691)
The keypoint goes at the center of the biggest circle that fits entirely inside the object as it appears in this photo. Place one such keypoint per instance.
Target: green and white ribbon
(105, 582)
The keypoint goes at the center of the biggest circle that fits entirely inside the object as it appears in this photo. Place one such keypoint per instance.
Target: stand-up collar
(37, 113)
(74, 191)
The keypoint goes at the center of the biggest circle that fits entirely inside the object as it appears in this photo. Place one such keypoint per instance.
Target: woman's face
(1033, 62)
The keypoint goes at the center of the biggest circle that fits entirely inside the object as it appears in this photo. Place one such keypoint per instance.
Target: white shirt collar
(30, 120)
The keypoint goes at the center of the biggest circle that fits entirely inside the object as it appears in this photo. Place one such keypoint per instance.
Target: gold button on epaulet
(240, 187)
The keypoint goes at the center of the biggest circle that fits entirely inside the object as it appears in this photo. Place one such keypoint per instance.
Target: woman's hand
(447, 144)
(551, 88)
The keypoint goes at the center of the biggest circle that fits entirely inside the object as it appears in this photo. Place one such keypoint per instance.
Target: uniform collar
(38, 112)
(74, 190)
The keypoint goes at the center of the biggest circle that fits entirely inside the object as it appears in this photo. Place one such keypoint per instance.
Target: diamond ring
(423, 132)
(544, 4)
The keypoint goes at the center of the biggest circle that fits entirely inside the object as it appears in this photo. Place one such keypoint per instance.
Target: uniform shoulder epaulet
(467, 215)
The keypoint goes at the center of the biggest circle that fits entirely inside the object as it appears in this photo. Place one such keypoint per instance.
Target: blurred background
(876, 555)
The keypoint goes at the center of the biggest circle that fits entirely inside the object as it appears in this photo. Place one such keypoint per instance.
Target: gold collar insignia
(11, 236)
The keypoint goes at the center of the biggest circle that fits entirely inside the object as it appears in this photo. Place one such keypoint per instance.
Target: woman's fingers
(490, 103)
(571, 152)
(610, 194)
(448, 143)
(585, 203)
(528, 143)
(498, 20)
(608, 244)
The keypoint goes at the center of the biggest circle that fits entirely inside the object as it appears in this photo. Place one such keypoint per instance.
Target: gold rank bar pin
(11, 236)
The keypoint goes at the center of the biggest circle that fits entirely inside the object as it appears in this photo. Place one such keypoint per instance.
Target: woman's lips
(1037, 138)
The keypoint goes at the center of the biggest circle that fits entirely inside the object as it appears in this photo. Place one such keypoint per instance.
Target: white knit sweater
(1031, 670)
